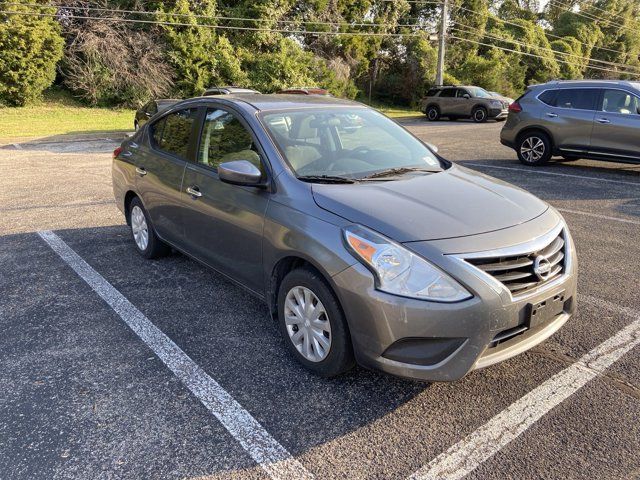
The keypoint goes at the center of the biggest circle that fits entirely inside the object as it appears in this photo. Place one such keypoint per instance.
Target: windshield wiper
(398, 171)
(325, 179)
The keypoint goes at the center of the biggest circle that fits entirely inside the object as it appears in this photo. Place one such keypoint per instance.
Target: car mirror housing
(240, 172)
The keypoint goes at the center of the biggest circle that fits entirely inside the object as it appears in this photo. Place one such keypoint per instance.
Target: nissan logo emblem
(541, 267)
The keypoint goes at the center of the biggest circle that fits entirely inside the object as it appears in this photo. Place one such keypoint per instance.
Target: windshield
(349, 143)
(479, 92)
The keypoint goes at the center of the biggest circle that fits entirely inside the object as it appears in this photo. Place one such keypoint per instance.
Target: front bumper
(498, 114)
(443, 342)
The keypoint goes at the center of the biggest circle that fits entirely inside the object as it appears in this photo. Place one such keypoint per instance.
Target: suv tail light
(117, 152)
(515, 107)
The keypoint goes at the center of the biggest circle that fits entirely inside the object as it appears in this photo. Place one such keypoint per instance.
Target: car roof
(262, 102)
(587, 83)
(231, 89)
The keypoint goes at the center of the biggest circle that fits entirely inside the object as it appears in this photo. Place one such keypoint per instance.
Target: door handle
(603, 120)
(141, 171)
(552, 115)
(194, 192)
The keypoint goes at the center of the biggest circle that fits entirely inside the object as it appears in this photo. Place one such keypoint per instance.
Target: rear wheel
(479, 115)
(433, 113)
(144, 236)
(313, 324)
(534, 148)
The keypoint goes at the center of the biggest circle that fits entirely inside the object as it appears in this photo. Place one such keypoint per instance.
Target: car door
(160, 165)
(616, 131)
(568, 114)
(463, 103)
(446, 101)
(223, 223)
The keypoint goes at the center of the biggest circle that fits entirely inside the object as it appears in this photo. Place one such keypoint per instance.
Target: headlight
(496, 103)
(399, 271)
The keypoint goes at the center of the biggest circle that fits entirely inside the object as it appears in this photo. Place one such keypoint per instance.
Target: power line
(589, 16)
(524, 53)
(507, 22)
(539, 47)
(215, 27)
(216, 17)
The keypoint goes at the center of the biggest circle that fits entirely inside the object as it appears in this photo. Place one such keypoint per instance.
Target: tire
(337, 357)
(534, 148)
(479, 114)
(432, 113)
(147, 244)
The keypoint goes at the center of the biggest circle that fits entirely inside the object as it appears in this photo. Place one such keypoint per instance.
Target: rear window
(432, 92)
(573, 98)
(171, 134)
(448, 92)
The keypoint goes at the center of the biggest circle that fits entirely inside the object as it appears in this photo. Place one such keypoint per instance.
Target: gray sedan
(365, 244)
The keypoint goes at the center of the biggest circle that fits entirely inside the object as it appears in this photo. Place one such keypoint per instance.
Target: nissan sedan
(365, 244)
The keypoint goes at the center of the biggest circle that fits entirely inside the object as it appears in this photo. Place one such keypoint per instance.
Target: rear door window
(577, 98)
(172, 133)
(448, 92)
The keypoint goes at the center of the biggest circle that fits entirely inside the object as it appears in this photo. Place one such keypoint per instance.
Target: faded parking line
(596, 215)
(259, 444)
(466, 455)
(544, 172)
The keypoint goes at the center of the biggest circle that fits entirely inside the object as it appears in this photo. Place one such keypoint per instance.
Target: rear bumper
(443, 342)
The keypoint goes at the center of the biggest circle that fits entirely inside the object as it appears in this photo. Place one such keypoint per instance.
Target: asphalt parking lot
(204, 388)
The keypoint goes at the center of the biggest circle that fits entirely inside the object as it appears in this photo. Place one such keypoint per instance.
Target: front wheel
(479, 115)
(313, 324)
(534, 148)
(144, 236)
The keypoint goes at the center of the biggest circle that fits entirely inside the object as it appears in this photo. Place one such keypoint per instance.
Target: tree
(30, 48)
(200, 57)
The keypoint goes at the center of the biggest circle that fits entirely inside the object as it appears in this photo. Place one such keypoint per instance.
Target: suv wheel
(479, 115)
(144, 236)
(433, 113)
(312, 323)
(534, 148)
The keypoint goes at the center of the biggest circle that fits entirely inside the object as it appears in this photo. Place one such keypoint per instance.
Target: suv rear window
(432, 92)
(574, 98)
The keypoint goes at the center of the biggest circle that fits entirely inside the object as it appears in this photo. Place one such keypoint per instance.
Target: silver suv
(463, 102)
(599, 120)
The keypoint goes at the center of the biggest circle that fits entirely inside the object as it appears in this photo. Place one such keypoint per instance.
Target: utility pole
(441, 44)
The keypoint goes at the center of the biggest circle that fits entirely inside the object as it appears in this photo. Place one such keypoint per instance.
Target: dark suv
(463, 102)
(599, 120)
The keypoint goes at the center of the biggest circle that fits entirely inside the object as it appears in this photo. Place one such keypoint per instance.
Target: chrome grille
(527, 271)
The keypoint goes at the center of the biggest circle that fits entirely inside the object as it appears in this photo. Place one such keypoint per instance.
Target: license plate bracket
(545, 310)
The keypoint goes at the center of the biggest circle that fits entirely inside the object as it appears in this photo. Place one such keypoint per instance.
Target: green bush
(30, 48)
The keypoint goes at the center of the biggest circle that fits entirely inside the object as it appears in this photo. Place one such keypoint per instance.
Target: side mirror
(467, 96)
(432, 147)
(240, 172)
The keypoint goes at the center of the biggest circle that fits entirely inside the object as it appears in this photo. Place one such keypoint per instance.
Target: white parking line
(596, 215)
(544, 172)
(466, 455)
(263, 448)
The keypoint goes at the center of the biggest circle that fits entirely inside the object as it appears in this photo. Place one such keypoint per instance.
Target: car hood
(455, 203)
